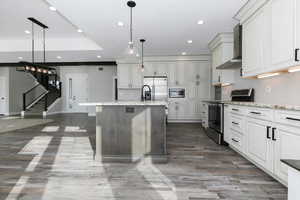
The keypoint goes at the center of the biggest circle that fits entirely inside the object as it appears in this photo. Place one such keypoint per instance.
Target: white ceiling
(166, 24)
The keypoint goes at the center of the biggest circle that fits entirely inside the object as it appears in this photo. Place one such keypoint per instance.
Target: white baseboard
(184, 121)
(13, 113)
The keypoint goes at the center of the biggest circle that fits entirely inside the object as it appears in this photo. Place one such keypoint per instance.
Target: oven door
(215, 117)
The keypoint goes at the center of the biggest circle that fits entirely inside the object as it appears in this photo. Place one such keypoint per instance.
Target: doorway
(3, 96)
(76, 92)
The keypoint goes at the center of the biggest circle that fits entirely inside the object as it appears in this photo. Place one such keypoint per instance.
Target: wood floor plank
(56, 161)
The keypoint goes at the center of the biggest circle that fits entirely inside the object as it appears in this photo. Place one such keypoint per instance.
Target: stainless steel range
(216, 113)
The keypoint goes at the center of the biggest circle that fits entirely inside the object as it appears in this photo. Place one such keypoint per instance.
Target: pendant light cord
(44, 44)
(142, 54)
(32, 41)
(131, 42)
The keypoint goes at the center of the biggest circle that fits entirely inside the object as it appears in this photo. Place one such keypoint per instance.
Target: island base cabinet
(260, 145)
(287, 146)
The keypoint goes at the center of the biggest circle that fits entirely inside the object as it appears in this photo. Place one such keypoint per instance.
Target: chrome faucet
(143, 96)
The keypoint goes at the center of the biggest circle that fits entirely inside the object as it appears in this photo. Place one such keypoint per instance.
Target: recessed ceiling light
(20, 58)
(200, 22)
(98, 56)
(120, 24)
(137, 55)
(52, 8)
(27, 31)
(190, 41)
(59, 57)
(183, 53)
(79, 31)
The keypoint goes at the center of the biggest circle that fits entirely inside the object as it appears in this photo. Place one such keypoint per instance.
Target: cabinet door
(172, 110)
(149, 69)
(227, 135)
(136, 76)
(286, 147)
(180, 73)
(124, 71)
(258, 145)
(297, 8)
(283, 33)
(182, 109)
(172, 70)
(216, 61)
(253, 44)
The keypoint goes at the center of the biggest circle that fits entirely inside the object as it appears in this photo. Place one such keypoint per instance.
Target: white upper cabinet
(129, 76)
(222, 51)
(283, 33)
(256, 42)
(271, 35)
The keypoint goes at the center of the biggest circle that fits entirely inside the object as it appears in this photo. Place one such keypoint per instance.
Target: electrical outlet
(268, 89)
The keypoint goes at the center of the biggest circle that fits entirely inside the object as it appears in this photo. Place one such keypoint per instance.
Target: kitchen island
(130, 131)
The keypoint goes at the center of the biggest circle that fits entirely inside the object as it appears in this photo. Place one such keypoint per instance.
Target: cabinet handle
(219, 79)
(273, 134)
(234, 109)
(296, 55)
(294, 119)
(256, 113)
(235, 123)
(234, 140)
(268, 132)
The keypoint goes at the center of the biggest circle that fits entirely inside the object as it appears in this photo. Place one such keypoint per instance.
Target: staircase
(37, 100)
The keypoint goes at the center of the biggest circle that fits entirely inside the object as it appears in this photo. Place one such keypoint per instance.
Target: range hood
(236, 62)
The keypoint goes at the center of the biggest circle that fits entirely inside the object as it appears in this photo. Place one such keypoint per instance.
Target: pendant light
(142, 66)
(131, 50)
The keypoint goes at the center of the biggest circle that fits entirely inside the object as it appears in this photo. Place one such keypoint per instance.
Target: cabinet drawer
(238, 110)
(236, 140)
(236, 123)
(259, 113)
(287, 117)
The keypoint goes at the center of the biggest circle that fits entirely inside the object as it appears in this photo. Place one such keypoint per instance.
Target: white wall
(100, 83)
(285, 88)
(4, 72)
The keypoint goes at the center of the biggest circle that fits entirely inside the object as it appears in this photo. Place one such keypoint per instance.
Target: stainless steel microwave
(176, 92)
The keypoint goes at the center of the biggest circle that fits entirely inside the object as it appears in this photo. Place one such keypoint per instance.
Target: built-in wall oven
(215, 121)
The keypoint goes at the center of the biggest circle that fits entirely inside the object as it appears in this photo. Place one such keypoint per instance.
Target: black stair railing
(48, 88)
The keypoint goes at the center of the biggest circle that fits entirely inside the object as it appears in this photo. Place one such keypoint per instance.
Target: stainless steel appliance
(176, 92)
(236, 61)
(158, 86)
(216, 113)
(215, 121)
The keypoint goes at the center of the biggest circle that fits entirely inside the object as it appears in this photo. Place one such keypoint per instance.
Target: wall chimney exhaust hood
(236, 62)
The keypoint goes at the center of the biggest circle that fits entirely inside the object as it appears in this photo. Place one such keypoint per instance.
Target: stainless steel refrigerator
(159, 87)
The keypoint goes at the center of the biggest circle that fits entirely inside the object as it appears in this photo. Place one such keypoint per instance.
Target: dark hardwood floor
(54, 161)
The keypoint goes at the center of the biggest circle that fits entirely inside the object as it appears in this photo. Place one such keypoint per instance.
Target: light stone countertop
(259, 105)
(126, 103)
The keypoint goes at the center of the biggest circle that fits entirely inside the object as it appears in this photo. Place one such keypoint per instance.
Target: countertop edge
(123, 104)
(291, 163)
(258, 105)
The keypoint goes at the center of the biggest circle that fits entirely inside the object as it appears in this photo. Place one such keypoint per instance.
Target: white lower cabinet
(287, 146)
(204, 115)
(259, 143)
(264, 136)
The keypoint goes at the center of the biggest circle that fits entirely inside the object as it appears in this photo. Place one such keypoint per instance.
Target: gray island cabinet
(130, 131)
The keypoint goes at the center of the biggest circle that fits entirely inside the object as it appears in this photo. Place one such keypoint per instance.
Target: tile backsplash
(282, 89)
